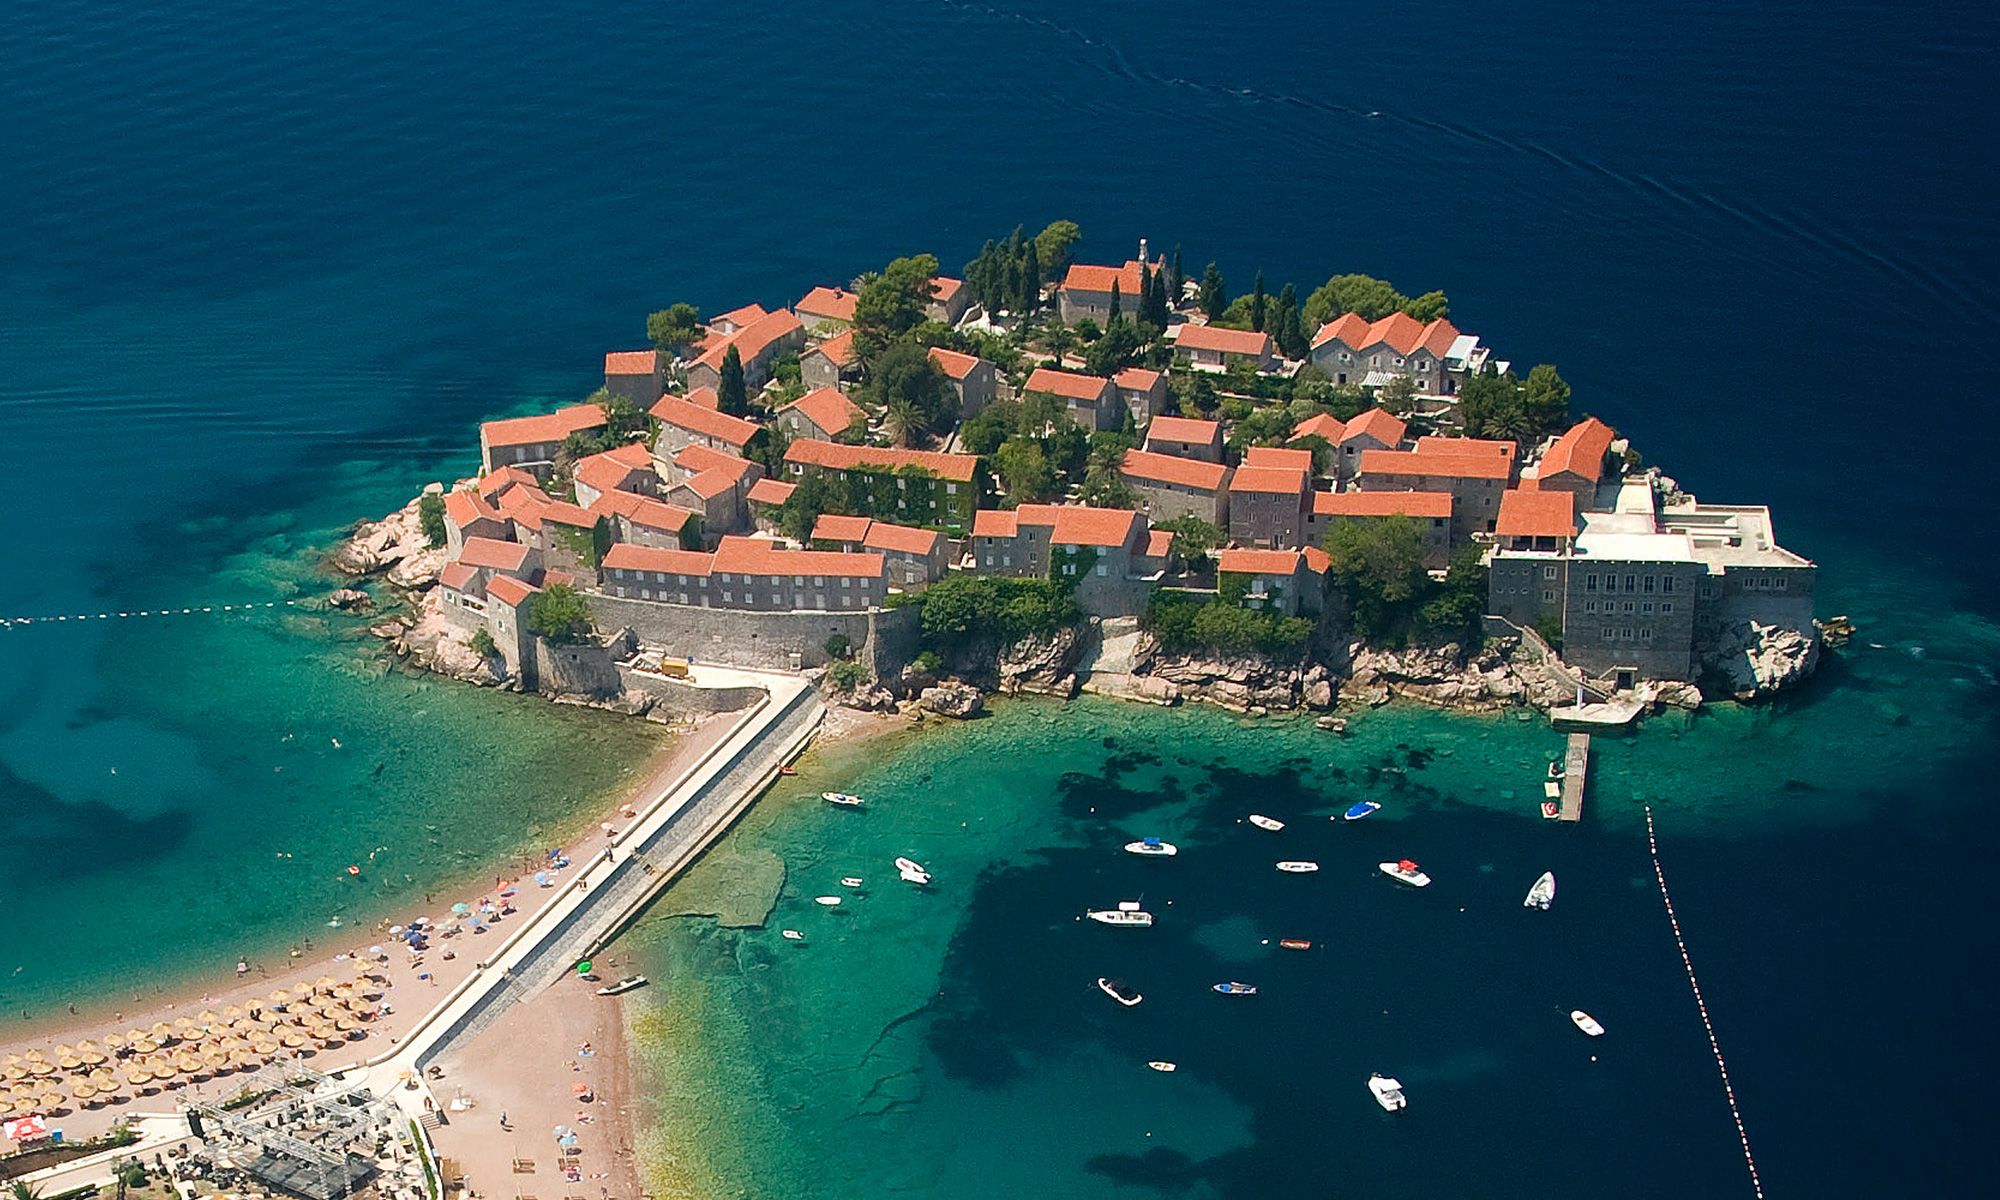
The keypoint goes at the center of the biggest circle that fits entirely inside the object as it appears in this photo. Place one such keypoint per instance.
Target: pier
(1576, 768)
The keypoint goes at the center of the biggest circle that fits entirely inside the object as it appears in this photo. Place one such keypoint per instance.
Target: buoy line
(192, 611)
(1701, 1006)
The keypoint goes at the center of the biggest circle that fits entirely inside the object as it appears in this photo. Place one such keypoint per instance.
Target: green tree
(1116, 349)
(994, 424)
(1454, 609)
(1029, 297)
(812, 496)
(1546, 397)
(1285, 327)
(1490, 404)
(1153, 307)
(1257, 303)
(674, 329)
(430, 515)
(559, 614)
(1117, 304)
(1214, 295)
(622, 418)
(892, 302)
(1428, 307)
(1378, 569)
(961, 610)
(913, 390)
(1024, 470)
(482, 643)
(1053, 246)
(1176, 278)
(731, 395)
(1193, 537)
(1398, 396)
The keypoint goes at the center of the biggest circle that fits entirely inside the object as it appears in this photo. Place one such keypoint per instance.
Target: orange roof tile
(748, 315)
(1382, 504)
(1401, 332)
(463, 508)
(1580, 451)
(945, 289)
(1536, 514)
(1504, 451)
(524, 505)
(1379, 424)
(752, 340)
(631, 362)
(455, 575)
(509, 590)
(695, 457)
(1078, 525)
(1278, 456)
(707, 485)
(838, 457)
(630, 556)
(827, 409)
(826, 304)
(496, 481)
(756, 556)
(550, 427)
(493, 554)
(1318, 561)
(608, 473)
(672, 410)
(770, 491)
(901, 539)
(1082, 277)
(1136, 379)
(1441, 466)
(1320, 425)
(1223, 341)
(995, 522)
(562, 512)
(703, 397)
(1067, 384)
(1238, 560)
(643, 511)
(954, 364)
(1159, 543)
(1185, 430)
(835, 527)
(1277, 481)
(1172, 468)
(839, 349)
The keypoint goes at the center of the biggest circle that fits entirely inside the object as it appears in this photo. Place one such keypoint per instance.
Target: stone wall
(685, 699)
(767, 640)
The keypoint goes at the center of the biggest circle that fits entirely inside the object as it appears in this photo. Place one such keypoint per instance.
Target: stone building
(1213, 348)
(1292, 582)
(822, 413)
(751, 574)
(1267, 506)
(759, 345)
(1435, 356)
(531, 442)
(913, 558)
(684, 424)
(1430, 510)
(1185, 437)
(1475, 480)
(1086, 290)
(1576, 462)
(637, 375)
(629, 468)
(1143, 392)
(831, 364)
(972, 378)
(1374, 429)
(1091, 400)
(1170, 487)
(918, 487)
(1110, 557)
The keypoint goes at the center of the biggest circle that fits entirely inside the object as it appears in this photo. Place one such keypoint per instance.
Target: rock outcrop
(350, 600)
(427, 640)
(1449, 677)
(384, 545)
(953, 699)
(1753, 661)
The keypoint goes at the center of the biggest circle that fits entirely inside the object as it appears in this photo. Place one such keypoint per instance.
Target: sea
(264, 266)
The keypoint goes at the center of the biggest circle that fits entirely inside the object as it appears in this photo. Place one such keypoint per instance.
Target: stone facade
(768, 640)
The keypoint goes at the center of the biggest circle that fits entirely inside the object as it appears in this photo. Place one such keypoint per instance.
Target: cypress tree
(731, 396)
(1176, 278)
(1289, 334)
(1214, 296)
(1031, 278)
(1257, 304)
(1114, 303)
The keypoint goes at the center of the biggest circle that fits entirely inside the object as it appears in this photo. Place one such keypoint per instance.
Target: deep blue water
(262, 266)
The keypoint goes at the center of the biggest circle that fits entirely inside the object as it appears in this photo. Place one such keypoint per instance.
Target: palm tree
(906, 421)
(23, 1190)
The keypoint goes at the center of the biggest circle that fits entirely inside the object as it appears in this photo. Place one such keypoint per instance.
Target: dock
(1576, 767)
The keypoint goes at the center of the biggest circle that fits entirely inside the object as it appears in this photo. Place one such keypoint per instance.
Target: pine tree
(1214, 296)
(1113, 316)
(1031, 278)
(1257, 304)
(730, 394)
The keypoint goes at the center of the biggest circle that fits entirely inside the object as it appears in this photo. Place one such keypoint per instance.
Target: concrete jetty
(1576, 768)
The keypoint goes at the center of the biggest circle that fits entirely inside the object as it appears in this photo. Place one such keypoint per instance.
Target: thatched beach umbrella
(293, 1039)
(138, 1076)
(64, 1050)
(325, 983)
(208, 1017)
(281, 996)
(83, 1091)
(232, 1013)
(68, 1062)
(13, 1073)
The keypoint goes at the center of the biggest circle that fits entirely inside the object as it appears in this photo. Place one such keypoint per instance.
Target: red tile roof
(695, 457)
(1239, 560)
(834, 456)
(901, 539)
(995, 522)
(1504, 451)
(631, 362)
(672, 410)
(1067, 384)
(826, 304)
(1159, 543)
(1536, 514)
(463, 508)
(839, 349)
(1382, 504)
(834, 527)
(757, 556)
(550, 427)
(523, 505)
(1136, 379)
(1400, 332)
(954, 364)
(497, 481)
(609, 472)
(703, 397)
(752, 340)
(748, 315)
(562, 512)
(509, 590)
(945, 289)
(1320, 425)
(1078, 525)
(1379, 424)
(1083, 278)
(643, 511)
(1318, 561)
(1223, 341)
(1579, 452)
(1442, 466)
(629, 556)
(456, 575)
(1278, 481)
(493, 554)
(827, 409)
(770, 491)
(1278, 456)
(1186, 430)
(1171, 468)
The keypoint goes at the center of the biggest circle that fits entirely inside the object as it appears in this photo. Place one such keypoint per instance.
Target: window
(1666, 606)
(727, 598)
(1645, 635)
(951, 489)
(1609, 633)
(1647, 607)
(684, 597)
(1649, 584)
(1590, 583)
(1667, 583)
(1548, 595)
(845, 582)
(1625, 634)
(1631, 583)
(1006, 560)
(1590, 606)
(1548, 572)
(1781, 583)
(1101, 570)
(644, 594)
(776, 600)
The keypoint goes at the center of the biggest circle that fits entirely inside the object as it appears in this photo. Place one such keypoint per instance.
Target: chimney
(1142, 251)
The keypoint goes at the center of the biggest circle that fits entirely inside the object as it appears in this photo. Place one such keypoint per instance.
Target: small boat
(844, 799)
(793, 935)
(1584, 1021)
(828, 901)
(630, 983)
(1161, 1064)
(1405, 871)
(788, 770)
(1551, 790)
(1388, 1092)
(850, 881)
(1233, 988)
(1120, 991)
(1128, 912)
(1556, 769)
(912, 871)
(1543, 893)
(1366, 808)
(1152, 847)
(1263, 822)
(1551, 810)
(1298, 867)
(1294, 944)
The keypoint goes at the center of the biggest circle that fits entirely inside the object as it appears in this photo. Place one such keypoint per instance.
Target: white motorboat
(1405, 871)
(912, 871)
(1298, 867)
(1120, 991)
(844, 799)
(793, 935)
(1360, 810)
(1128, 912)
(850, 881)
(1152, 847)
(828, 901)
(1543, 893)
(1584, 1021)
(1161, 1064)
(1233, 988)
(1263, 822)
(627, 984)
(1388, 1092)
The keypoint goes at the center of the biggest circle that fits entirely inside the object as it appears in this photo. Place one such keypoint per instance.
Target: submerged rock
(350, 600)
(953, 699)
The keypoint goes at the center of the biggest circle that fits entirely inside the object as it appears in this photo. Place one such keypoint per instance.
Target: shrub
(838, 646)
(559, 614)
(482, 642)
(847, 676)
(927, 662)
(965, 608)
(430, 515)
